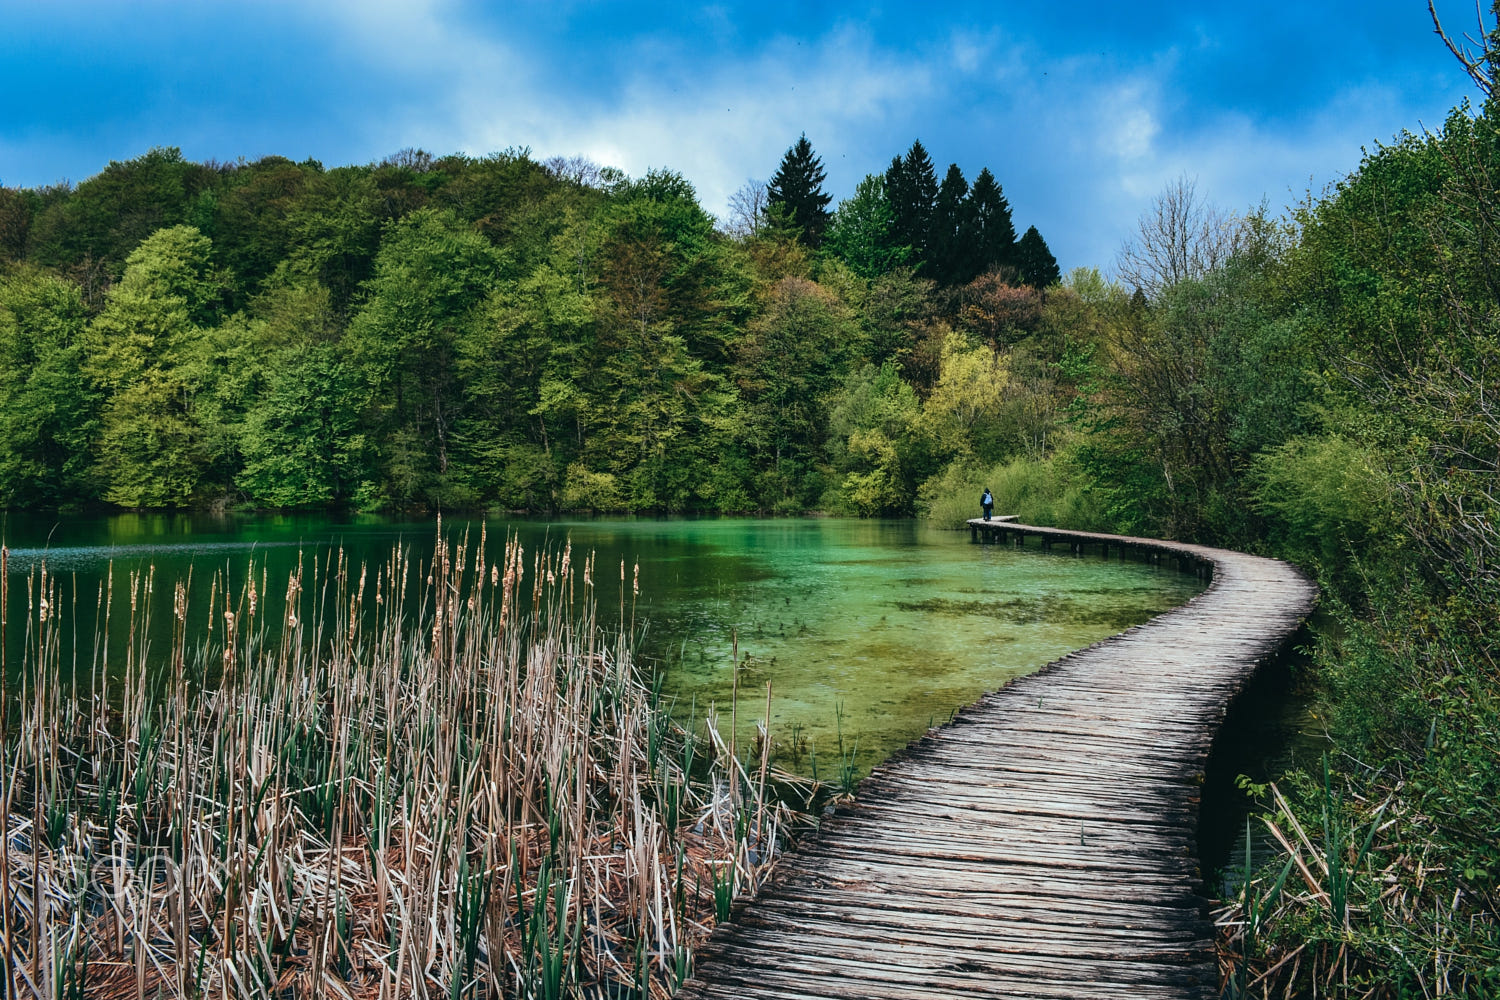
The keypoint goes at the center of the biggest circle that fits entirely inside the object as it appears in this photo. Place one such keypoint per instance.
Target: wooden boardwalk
(1041, 845)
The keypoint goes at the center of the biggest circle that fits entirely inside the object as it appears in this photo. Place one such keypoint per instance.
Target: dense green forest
(499, 332)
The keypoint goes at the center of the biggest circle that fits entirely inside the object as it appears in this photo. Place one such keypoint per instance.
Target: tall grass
(440, 780)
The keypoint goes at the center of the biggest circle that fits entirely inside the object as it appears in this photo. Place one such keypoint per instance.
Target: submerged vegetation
(430, 333)
(419, 781)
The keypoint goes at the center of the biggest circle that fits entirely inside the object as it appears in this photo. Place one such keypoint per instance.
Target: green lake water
(875, 628)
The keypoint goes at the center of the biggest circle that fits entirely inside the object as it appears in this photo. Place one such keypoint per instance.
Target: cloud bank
(1083, 115)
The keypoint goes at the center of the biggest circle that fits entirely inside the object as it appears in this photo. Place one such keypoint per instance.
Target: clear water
(867, 629)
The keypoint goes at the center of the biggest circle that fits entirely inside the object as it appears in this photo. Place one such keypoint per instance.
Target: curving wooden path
(1041, 845)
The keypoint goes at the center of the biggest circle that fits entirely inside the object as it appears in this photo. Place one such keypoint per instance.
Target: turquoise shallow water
(875, 628)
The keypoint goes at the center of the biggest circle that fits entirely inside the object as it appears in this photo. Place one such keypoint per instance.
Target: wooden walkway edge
(1043, 843)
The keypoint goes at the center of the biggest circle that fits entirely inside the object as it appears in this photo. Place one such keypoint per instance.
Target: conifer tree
(796, 192)
(992, 236)
(949, 260)
(1035, 261)
(896, 195)
(911, 185)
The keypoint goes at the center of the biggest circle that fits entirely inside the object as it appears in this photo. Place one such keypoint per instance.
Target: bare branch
(1180, 237)
(579, 169)
(1480, 66)
(747, 209)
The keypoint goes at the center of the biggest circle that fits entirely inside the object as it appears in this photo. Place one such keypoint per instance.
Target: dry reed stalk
(388, 791)
(1358, 918)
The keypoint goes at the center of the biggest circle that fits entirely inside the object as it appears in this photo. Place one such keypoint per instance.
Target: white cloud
(736, 121)
(1128, 122)
(733, 119)
(1080, 142)
(972, 52)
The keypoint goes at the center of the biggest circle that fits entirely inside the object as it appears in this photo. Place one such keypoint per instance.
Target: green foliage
(1325, 499)
(1054, 491)
(108, 216)
(584, 489)
(48, 409)
(877, 442)
(1390, 494)
(950, 260)
(1034, 261)
(1201, 383)
(911, 185)
(992, 236)
(148, 355)
(795, 193)
(962, 412)
(432, 276)
(16, 211)
(896, 312)
(1410, 702)
(251, 222)
(861, 233)
(334, 231)
(789, 363)
(482, 327)
(302, 442)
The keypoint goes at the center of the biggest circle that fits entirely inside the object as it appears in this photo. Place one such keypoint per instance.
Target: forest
(439, 333)
(501, 333)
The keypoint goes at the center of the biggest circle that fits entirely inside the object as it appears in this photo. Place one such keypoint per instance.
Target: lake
(867, 631)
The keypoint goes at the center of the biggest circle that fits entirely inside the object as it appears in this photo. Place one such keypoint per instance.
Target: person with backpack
(987, 502)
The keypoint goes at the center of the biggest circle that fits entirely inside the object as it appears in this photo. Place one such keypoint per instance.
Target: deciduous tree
(862, 232)
(747, 209)
(303, 440)
(432, 276)
(146, 354)
(48, 409)
(1179, 237)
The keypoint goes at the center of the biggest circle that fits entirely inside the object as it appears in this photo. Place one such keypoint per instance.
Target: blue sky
(1083, 110)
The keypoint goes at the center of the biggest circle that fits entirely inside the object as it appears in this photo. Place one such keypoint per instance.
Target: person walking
(987, 502)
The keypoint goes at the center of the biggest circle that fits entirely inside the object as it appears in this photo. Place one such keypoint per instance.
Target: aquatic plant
(419, 781)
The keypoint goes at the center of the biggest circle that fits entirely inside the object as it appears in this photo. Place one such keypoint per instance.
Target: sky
(1083, 110)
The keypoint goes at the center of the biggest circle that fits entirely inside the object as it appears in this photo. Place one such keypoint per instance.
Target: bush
(1323, 498)
(585, 489)
(1048, 491)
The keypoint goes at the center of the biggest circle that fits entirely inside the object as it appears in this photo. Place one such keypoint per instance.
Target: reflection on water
(890, 624)
(86, 558)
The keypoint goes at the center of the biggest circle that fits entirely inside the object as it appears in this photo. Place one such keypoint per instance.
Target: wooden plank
(1041, 844)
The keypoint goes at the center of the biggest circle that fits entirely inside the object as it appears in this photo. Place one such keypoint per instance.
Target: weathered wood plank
(1041, 844)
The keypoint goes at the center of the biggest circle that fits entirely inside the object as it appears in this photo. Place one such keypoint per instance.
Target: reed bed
(439, 780)
(1358, 902)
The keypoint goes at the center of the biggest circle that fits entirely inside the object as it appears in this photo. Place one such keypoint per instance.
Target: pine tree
(992, 235)
(1035, 262)
(912, 187)
(796, 192)
(948, 251)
